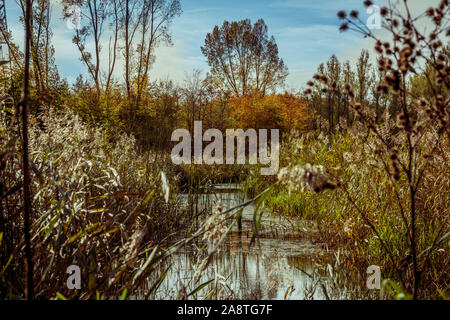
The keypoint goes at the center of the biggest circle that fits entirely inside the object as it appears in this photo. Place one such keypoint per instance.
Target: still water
(281, 264)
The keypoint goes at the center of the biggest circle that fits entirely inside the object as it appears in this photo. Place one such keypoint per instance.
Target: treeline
(367, 78)
(169, 106)
(242, 88)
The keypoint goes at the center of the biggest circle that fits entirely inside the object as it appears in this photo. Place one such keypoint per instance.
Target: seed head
(354, 14)
(342, 15)
(343, 27)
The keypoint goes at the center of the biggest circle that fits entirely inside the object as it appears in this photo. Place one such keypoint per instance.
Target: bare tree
(42, 51)
(129, 22)
(363, 76)
(156, 17)
(194, 95)
(96, 13)
(113, 43)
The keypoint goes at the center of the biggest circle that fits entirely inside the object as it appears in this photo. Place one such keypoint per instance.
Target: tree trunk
(25, 155)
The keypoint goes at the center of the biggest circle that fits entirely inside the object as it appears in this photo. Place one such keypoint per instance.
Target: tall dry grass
(351, 160)
(96, 204)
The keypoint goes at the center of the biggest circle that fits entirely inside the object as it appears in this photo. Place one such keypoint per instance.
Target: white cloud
(173, 63)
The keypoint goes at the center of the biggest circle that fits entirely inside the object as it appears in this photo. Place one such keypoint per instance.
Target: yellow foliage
(284, 111)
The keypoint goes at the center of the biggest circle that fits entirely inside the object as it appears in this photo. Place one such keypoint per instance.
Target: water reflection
(279, 265)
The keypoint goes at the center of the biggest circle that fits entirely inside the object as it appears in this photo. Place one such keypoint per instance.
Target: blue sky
(306, 32)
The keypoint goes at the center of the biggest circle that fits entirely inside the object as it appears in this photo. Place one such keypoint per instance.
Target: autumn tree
(243, 57)
(348, 76)
(46, 85)
(294, 112)
(144, 26)
(194, 95)
(96, 13)
(158, 117)
(333, 72)
(156, 17)
(282, 111)
(325, 101)
(380, 100)
(135, 28)
(41, 49)
(363, 76)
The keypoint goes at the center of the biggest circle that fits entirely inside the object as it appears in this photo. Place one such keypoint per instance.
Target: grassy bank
(191, 177)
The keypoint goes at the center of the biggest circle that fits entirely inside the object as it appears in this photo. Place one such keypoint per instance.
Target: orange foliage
(294, 112)
(272, 111)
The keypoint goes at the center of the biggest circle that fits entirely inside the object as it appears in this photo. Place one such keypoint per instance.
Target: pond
(280, 264)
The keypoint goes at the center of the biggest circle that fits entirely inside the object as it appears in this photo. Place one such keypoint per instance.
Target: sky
(306, 32)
